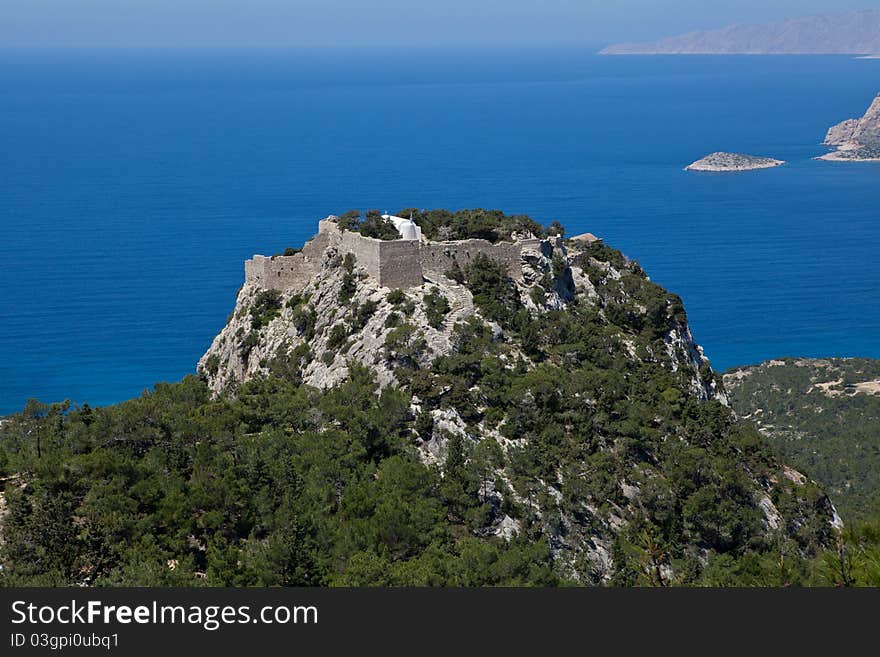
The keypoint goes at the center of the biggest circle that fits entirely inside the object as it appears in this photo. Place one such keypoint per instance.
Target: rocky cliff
(576, 391)
(856, 139)
(343, 315)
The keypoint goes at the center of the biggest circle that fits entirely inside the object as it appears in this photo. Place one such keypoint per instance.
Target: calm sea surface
(134, 184)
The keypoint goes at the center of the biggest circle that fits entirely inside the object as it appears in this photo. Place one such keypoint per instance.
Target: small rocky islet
(852, 140)
(731, 162)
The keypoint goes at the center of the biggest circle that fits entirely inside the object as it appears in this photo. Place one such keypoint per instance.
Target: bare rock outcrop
(856, 140)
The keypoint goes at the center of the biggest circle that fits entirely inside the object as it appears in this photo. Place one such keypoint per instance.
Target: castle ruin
(402, 263)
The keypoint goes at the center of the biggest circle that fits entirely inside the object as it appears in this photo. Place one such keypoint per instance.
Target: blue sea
(133, 184)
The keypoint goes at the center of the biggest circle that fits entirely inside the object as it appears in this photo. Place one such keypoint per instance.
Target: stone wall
(395, 264)
(436, 259)
(365, 249)
(399, 264)
(288, 272)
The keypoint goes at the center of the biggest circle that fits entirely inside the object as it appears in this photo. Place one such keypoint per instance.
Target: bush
(212, 364)
(349, 279)
(362, 314)
(375, 226)
(494, 291)
(538, 295)
(247, 345)
(396, 297)
(455, 273)
(303, 320)
(436, 308)
(349, 220)
(267, 306)
(337, 337)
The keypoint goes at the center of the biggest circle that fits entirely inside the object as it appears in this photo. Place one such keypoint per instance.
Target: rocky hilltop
(856, 140)
(722, 162)
(856, 33)
(572, 378)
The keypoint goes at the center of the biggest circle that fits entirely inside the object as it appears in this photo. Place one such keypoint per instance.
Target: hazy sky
(374, 22)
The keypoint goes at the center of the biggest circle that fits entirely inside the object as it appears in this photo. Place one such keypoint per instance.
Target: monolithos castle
(402, 263)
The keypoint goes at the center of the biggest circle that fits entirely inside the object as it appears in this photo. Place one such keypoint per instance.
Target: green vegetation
(401, 302)
(267, 306)
(494, 292)
(363, 313)
(396, 297)
(338, 334)
(436, 308)
(491, 225)
(349, 279)
(823, 416)
(282, 486)
(371, 225)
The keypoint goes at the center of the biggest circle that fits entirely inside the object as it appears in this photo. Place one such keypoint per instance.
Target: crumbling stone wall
(436, 259)
(395, 264)
(291, 272)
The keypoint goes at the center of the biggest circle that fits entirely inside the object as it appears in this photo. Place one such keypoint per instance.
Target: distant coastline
(854, 33)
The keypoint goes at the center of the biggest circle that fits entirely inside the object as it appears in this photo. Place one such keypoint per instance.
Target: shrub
(212, 364)
(436, 308)
(494, 291)
(396, 297)
(267, 306)
(297, 300)
(424, 425)
(556, 228)
(289, 364)
(377, 227)
(247, 345)
(559, 265)
(538, 295)
(337, 337)
(303, 319)
(349, 279)
(404, 346)
(455, 273)
(349, 220)
(362, 314)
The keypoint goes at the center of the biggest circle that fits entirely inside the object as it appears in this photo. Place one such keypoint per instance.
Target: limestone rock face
(856, 140)
(841, 133)
(722, 161)
(313, 334)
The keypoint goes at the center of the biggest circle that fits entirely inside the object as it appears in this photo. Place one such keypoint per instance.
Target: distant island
(725, 162)
(854, 33)
(856, 140)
